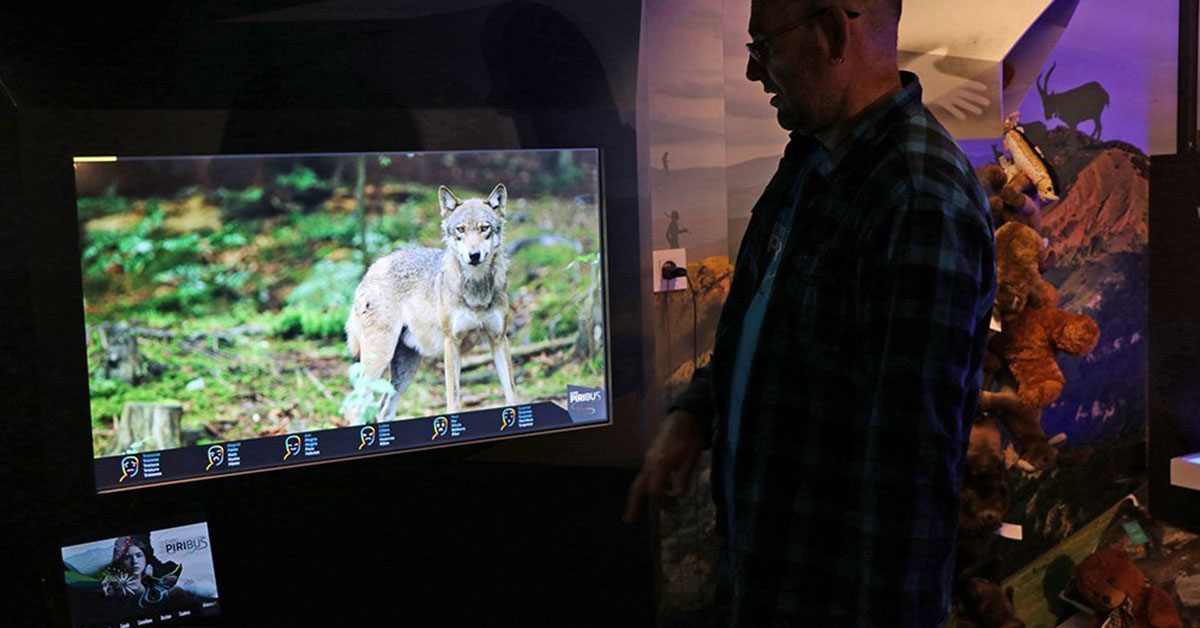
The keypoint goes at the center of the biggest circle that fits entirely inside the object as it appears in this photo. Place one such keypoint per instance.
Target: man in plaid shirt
(848, 358)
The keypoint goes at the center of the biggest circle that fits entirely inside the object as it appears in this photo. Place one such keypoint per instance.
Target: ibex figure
(1073, 106)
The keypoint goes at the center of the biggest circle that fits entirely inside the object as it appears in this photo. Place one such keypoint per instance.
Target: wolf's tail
(352, 334)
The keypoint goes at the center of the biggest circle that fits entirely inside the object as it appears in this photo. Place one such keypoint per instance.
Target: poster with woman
(165, 576)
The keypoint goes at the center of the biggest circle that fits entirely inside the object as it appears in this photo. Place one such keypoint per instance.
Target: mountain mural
(1098, 232)
(698, 194)
(1106, 192)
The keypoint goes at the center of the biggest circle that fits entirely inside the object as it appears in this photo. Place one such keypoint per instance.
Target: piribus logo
(584, 404)
(175, 546)
(577, 396)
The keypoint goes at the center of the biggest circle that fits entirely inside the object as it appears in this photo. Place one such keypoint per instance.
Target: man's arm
(697, 399)
(925, 293)
(671, 459)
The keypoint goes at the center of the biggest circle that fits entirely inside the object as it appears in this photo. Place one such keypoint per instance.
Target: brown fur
(1034, 329)
(986, 605)
(985, 493)
(1028, 344)
(1018, 279)
(1010, 200)
(1108, 580)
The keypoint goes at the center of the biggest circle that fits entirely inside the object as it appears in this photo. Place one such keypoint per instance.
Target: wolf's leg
(452, 366)
(502, 357)
(373, 330)
(405, 362)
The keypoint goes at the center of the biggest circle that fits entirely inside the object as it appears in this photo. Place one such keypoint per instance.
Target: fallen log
(223, 335)
(554, 344)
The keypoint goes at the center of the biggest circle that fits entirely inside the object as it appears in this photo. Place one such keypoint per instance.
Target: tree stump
(121, 358)
(148, 426)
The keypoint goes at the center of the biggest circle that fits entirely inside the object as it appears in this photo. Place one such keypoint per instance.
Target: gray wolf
(437, 302)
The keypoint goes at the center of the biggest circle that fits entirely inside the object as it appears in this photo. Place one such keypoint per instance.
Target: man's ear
(835, 24)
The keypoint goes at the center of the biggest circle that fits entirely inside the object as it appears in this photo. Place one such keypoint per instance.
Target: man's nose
(754, 69)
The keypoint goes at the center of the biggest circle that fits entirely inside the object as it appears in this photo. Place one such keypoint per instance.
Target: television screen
(155, 578)
(258, 311)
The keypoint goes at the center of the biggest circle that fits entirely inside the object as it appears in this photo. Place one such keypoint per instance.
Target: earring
(837, 60)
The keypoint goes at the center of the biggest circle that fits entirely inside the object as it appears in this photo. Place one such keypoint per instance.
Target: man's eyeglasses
(760, 49)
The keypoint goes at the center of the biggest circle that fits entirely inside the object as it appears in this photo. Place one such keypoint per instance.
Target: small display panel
(259, 311)
(149, 578)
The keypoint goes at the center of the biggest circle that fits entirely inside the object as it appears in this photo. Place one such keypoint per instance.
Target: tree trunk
(591, 318)
(148, 426)
(360, 205)
(121, 359)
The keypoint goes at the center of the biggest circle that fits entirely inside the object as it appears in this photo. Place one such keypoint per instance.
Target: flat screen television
(160, 577)
(252, 312)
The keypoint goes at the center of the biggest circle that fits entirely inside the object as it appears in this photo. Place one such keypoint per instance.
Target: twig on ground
(316, 382)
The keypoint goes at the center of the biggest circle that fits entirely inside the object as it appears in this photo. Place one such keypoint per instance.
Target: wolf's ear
(447, 201)
(498, 198)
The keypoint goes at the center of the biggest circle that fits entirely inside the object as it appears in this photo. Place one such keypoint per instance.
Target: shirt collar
(867, 131)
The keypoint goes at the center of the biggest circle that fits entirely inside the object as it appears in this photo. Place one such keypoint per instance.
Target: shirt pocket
(815, 303)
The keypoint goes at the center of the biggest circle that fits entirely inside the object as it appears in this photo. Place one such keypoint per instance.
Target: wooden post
(148, 426)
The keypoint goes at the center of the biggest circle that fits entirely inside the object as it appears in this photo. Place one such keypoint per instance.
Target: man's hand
(667, 470)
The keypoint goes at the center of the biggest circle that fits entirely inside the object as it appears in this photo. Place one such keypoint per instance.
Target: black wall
(1174, 339)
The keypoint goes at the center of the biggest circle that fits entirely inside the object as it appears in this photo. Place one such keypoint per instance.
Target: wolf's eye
(484, 229)
(461, 229)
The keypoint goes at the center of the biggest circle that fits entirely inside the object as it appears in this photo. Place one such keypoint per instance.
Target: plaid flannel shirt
(842, 499)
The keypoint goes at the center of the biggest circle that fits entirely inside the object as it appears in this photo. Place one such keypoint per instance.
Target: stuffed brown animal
(1033, 330)
(1010, 199)
(983, 499)
(1027, 345)
(984, 496)
(1014, 200)
(1110, 582)
(986, 605)
(1018, 280)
